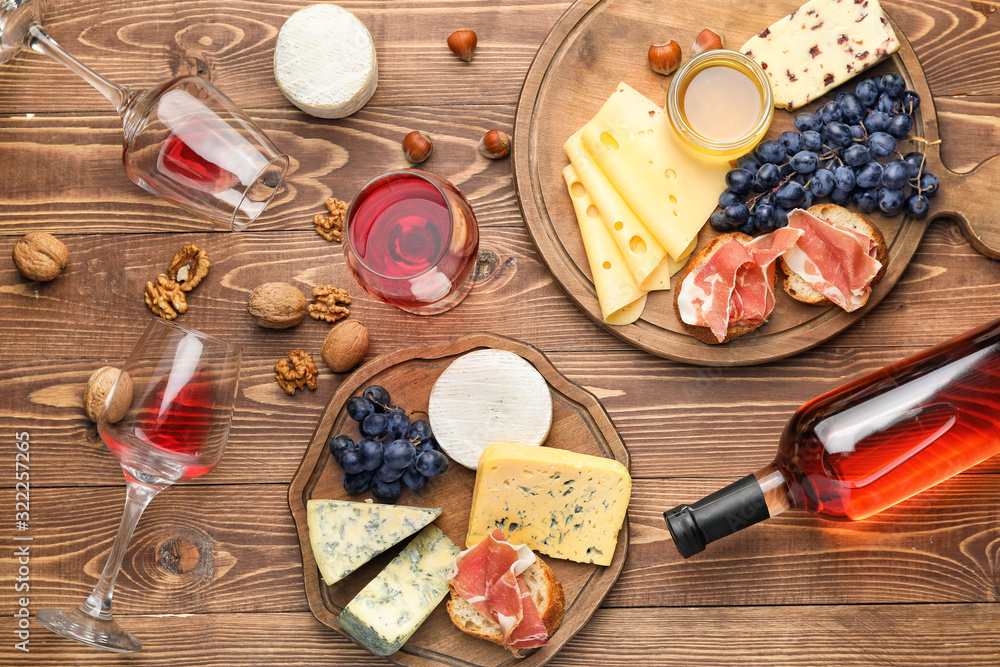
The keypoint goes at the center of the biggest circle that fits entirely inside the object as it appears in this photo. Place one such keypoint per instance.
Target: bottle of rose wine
(868, 445)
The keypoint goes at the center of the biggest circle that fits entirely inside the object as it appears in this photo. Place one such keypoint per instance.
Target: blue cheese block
(346, 535)
(395, 603)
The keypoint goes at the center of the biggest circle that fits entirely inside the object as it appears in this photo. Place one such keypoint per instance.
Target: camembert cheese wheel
(487, 397)
(325, 61)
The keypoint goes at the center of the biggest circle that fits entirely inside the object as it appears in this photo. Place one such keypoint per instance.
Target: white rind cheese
(394, 604)
(325, 61)
(820, 45)
(487, 397)
(346, 535)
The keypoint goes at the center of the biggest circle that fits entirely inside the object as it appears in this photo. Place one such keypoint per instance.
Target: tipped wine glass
(166, 419)
(185, 141)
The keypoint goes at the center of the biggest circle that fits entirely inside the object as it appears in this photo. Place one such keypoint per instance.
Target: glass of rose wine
(166, 419)
(185, 141)
(411, 241)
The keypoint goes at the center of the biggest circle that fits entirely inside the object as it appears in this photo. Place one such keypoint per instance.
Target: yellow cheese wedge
(672, 192)
(560, 503)
(642, 252)
(620, 297)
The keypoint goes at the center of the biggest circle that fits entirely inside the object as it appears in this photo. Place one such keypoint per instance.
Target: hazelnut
(40, 256)
(706, 40)
(495, 144)
(345, 346)
(463, 44)
(98, 387)
(417, 147)
(665, 58)
(277, 305)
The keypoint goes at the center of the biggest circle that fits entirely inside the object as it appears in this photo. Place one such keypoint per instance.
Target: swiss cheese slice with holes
(325, 61)
(671, 191)
(618, 294)
(646, 258)
(487, 397)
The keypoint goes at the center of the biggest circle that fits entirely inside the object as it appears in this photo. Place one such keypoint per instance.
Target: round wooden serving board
(598, 43)
(579, 423)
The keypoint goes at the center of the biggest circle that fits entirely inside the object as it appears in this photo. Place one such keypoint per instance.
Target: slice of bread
(546, 592)
(798, 288)
(704, 334)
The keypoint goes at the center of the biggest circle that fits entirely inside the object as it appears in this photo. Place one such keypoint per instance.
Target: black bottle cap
(722, 513)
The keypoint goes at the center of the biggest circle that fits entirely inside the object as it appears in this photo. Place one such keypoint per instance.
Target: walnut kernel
(345, 346)
(98, 387)
(331, 226)
(188, 267)
(277, 305)
(296, 372)
(325, 306)
(165, 297)
(40, 256)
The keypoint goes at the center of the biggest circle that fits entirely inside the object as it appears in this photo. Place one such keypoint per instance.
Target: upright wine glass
(185, 141)
(166, 419)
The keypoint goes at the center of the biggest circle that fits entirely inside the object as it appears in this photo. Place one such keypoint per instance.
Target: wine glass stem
(137, 497)
(38, 40)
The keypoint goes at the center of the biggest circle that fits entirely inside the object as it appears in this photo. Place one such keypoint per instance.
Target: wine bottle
(868, 445)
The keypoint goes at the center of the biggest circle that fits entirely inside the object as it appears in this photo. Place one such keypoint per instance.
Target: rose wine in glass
(166, 419)
(411, 241)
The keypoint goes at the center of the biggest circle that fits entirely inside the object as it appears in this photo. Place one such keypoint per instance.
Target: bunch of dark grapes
(838, 152)
(392, 450)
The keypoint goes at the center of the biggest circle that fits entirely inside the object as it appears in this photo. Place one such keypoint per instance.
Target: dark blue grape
(780, 218)
(790, 140)
(887, 104)
(858, 132)
(893, 85)
(370, 453)
(811, 140)
(413, 479)
(900, 125)
(844, 178)
(768, 176)
(910, 101)
(807, 200)
(915, 161)
(374, 425)
(895, 174)
(867, 92)
(350, 461)
(771, 151)
(822, 183)
(869, 175)
(420, 430)
(398, 426)
(737, 214)
(379, 396)
(877, 80)
(877, 121)
(339, 443)
(928, 184)
(739, 180)
(765, 217)
(890, 201)
(387, 473)
(830, 113)
(359, 407)
(399, 454)
(431, 463)
(728, 198)
(718, 221)
(882, 144)
(786, 170)
(864, 199)
(749, 227)
(801, 179)
(429, 443)
(856, 155)
(808, 121)
(789, 195)
(851, 109)
(358, 482)
(840, 197)
(805, 162)
(386, 492)
(748, 162)
(917, 205)
(837, 135)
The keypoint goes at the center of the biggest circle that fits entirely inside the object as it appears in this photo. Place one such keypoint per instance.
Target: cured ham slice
(753, 295)
(837, 262)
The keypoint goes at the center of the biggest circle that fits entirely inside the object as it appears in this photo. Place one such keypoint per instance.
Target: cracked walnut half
(326, 303)
(188, 267)
(296, 372)
(331, 226)
(165, 298)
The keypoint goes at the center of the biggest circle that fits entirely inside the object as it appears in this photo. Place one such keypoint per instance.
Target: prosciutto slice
(488, 576)
(753, 295)
(837, 262)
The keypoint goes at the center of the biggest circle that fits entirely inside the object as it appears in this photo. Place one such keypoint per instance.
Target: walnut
(165, 298)
(331, 226)
(296, 372)
(40, 256)
(277, 305)
(188, 267)
(98, 387)
(345, 346)
(324, 305)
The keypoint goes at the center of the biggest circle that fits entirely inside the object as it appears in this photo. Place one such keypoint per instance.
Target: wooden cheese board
(598, 43)
(579, 423)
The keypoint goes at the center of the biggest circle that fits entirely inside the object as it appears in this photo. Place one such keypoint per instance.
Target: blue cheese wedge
(394, 604)
(346, 535)
(820, 45)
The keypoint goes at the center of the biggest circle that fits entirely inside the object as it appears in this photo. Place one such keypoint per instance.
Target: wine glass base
(16, 16)
(80, 626)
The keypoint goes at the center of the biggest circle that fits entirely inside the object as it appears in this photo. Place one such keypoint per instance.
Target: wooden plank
(946, 635)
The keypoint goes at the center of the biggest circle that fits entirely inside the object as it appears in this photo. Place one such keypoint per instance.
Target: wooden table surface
(213, 575)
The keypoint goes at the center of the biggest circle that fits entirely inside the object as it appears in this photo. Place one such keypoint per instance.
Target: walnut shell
(98, 386)
(345, 346)
(277, 305)
(40, 256)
